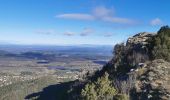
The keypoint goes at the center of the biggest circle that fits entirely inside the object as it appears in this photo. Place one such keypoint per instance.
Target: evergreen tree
(161, 44)
(99, 90)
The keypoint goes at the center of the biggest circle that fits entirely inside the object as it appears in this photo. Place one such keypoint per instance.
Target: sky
(72, 22)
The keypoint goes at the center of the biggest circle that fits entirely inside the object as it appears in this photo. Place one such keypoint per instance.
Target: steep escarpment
(139, 70)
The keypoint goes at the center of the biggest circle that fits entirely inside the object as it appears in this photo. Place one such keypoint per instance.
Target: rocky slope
(139, 70)
(153, 81)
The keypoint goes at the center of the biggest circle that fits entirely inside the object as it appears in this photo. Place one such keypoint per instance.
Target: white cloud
(47, 32)
(102, 11)
(99, 13)
(156, 21)
(69, 33)
(76, 16)
(118, 20)
(108, 34)
(86, 31)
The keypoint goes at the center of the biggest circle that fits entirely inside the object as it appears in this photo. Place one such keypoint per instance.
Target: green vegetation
(19, 90)
(102, 89)
(161, 44)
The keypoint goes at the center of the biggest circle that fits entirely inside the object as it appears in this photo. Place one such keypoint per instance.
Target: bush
(161, 44)
(99, 90)
(89, 92)
(121, 97)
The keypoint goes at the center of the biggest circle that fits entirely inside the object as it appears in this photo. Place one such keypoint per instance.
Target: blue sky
(62, 22)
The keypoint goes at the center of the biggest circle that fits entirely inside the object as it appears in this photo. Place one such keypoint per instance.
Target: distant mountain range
(70, 48)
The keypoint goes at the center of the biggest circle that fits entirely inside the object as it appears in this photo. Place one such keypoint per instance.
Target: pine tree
(102, 89)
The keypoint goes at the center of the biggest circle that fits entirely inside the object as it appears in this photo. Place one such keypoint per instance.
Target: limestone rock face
(139, 39)
(154, 83)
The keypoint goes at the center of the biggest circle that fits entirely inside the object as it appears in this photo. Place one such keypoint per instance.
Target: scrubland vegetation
(19, 90)
(161, 44)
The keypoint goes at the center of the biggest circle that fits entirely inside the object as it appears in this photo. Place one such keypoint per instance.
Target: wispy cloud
(99, 13)
(108, 34)
(69, 33)
(156, 21)
(76, 16)
(102, 11)
(118, 20)
(87, 31)
(47, 32)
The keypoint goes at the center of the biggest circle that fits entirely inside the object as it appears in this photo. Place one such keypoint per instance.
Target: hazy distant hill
(107, 49)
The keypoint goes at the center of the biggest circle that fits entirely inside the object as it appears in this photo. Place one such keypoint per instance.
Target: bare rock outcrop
(140, 39)
(154, 82)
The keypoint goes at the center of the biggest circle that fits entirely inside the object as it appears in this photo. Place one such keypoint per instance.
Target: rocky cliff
(139, 70)
(140, 39)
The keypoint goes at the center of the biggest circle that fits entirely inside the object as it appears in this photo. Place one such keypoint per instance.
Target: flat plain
(29, 69)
